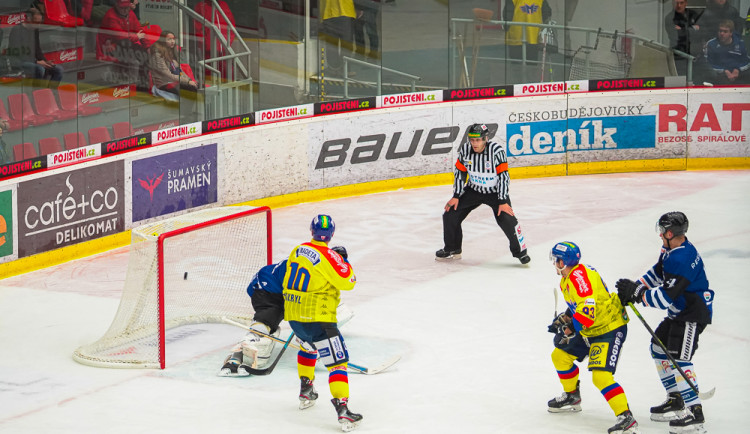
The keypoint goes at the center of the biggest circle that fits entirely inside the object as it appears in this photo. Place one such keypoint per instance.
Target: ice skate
(233, 366)
(567, 402)
(307, 393)
(690, 422)
(671, 409)
(625, 424)
(525, 259)
(447, 255)
(347, 419)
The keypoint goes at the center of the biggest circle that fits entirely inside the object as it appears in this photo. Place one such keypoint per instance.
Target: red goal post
(189, 269)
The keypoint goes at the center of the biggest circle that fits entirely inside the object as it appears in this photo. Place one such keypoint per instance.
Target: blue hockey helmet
(674, 221)
(566, 251)
(322, 228)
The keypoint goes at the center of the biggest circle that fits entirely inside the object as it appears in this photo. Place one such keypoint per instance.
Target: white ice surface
(472, 333)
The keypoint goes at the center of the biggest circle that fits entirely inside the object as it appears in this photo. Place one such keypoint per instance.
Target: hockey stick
(268, 370)
(658, 341)
(358, 368)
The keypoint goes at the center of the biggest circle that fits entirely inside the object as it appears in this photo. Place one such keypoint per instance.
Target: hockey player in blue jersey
(678, 284)
(266, 296)
(265, 293)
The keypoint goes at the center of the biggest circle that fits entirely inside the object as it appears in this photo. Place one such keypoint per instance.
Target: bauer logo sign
(477, 93)
(174, 182)
(350, 105)
(581, 134)
(69, 208)
(6, 223)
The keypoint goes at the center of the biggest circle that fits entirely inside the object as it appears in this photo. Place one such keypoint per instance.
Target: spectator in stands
(526, 11)
(367, 23)
(214, 16)
(25, 52)
(716, 11)
(684, 34)
(121, 30)
(337, 30)
(5, 153)
(122, 39)
(165, 68)
(726, 55)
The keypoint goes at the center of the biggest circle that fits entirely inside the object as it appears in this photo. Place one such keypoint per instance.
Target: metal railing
(224, 97)
(459, 55)
(379, 81)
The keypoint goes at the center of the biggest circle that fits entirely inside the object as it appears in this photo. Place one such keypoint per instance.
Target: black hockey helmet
(674, 221)
(479, 131)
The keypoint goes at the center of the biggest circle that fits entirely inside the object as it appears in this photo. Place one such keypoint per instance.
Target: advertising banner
(71, 156)
(375, 147)
(285, 114)
(6, 224)
(174, 182)
(550, 88)
(410, 98)
(477, 93)
(175, 133)
(126, 144)
(349, 105)
(228, 123)
(711, 125)
(71, 207)
(23, 167)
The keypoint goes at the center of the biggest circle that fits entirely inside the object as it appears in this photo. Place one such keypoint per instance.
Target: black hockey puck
(185, 276)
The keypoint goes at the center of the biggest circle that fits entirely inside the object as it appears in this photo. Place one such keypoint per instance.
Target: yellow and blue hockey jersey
(595, 310)
(315, 277)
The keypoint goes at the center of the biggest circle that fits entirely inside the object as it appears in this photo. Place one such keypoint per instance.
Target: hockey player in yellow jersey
(593, 326)
(315, 276)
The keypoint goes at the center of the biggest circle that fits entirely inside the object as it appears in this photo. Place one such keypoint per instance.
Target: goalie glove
(629, 291)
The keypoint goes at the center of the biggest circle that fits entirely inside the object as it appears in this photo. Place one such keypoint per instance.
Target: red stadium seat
(12, 124)
(74, 140)
(22, 151)
(49, 145)
(121, 130)
(69, 100)
(99, 135)
(57, 13)
(44, 101)
(20, 110)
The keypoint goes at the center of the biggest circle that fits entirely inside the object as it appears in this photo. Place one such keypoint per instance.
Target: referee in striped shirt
(480, 177)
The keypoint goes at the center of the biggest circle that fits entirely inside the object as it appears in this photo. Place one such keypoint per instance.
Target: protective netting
(206, 272)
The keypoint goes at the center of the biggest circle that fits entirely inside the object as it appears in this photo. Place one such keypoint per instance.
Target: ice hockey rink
(472, 333)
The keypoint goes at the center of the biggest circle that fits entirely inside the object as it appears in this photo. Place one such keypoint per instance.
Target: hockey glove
(561, 338)
(341, 250)
(558, 322)
(629, 291)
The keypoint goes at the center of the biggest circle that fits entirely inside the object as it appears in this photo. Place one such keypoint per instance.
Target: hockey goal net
(190, 269)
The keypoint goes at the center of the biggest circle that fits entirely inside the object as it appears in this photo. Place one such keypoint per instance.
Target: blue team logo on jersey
(529, 9)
